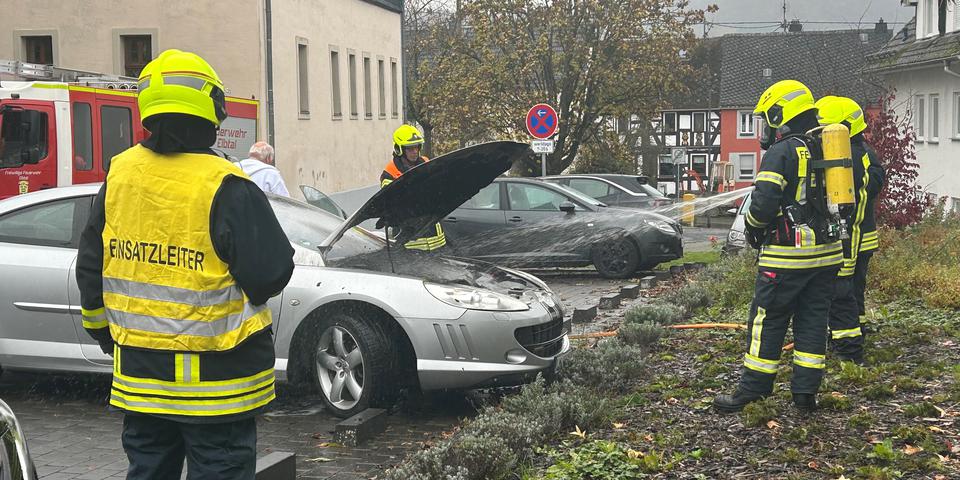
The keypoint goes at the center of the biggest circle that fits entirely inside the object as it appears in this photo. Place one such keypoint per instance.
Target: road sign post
(679, 157)
(542, 123)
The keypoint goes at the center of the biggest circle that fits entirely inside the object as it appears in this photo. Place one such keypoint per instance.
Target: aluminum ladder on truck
(24, 71)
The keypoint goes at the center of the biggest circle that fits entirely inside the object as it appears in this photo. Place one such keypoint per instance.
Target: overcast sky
(849, 12)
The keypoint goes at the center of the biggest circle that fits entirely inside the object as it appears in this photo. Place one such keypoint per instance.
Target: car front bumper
(486, 349)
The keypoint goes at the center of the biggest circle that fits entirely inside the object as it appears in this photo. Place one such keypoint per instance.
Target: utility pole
(784, 16)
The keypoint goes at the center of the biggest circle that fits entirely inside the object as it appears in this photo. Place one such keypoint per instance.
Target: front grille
(544, 340)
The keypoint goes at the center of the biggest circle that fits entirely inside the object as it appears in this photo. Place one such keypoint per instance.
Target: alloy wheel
(340, 367)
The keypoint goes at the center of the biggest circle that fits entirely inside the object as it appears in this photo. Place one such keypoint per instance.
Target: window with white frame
(918, 116)
(956, 115)
(335, 83)
(382, 88)
(746, 164)
(303, 81)
(934, 118)
(745, 124)
(394, 103)
(927, 11)
(367, 89)
(352, 76)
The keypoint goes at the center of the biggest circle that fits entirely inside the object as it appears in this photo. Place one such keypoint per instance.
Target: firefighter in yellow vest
(800, 254)
(175, 266)
(846, 333)
(407, 142)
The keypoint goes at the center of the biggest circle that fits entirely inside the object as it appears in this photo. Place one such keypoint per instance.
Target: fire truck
(61, 127)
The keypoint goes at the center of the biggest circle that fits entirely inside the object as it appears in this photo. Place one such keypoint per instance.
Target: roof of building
(828, 62)
(905, 51)
(392, 5)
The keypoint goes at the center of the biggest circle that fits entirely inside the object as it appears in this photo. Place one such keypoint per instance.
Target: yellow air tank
(838, 176)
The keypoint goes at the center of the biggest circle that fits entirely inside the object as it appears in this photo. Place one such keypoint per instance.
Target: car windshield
(579, 196)
(308, 226)
(652, 192)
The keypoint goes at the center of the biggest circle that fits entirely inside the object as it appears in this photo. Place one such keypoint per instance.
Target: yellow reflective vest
(166, 290)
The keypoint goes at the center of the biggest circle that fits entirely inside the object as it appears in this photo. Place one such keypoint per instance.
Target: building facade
(327, 73)
(921, 64)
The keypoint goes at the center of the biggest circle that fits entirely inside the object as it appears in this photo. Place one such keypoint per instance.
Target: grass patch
(836, 401)
(922, 410)
(760, 412)
(709, 257)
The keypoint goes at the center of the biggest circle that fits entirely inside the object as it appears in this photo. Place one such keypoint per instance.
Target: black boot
(736, 402)
(805, 402)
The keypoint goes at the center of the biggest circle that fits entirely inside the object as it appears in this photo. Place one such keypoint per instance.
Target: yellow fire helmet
(406, 136)
(783, 101)
(832, 109)
(181, 82)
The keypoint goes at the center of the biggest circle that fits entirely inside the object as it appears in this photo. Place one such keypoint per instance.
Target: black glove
(755, 236)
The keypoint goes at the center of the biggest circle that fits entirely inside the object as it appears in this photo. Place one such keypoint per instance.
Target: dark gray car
(615, 190)
(531, 223)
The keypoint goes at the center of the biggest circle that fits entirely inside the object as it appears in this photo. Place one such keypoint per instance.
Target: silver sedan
(360, 319)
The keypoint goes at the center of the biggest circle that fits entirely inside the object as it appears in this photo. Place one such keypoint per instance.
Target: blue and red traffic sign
(542, 121)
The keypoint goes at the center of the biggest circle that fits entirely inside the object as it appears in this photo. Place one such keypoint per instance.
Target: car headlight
(661, 225)
(736, 235)
(474, 298)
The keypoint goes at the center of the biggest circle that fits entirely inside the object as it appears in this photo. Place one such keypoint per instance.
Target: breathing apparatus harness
(828, 201)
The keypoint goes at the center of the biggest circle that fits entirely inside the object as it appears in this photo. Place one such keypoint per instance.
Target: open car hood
(426, 193)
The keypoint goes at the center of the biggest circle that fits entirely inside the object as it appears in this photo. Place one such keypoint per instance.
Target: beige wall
(87, 33)
(317, 150)
(332, 155)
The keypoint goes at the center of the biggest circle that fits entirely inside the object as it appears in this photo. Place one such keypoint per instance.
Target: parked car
(360, 318)
(736, 238)
(615, 190)
(15, 461)
(532, 223)
(322, 201)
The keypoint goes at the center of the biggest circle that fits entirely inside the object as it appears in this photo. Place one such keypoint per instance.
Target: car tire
(616, 258)
(350, 364)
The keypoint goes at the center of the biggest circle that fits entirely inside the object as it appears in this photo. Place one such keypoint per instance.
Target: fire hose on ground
(688, 326)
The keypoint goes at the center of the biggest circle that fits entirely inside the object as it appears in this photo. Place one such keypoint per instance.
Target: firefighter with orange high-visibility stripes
(846, 333)
(175, 265)
(791, 224)
(407, 142)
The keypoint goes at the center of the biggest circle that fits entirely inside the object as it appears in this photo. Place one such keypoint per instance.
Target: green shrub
(611, 366)
(922, 261)
(598, 460)
(654, 313)
(499, 438)
(641, 334)
(691, 297)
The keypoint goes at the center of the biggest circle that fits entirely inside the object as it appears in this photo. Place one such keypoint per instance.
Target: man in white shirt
(259, 167)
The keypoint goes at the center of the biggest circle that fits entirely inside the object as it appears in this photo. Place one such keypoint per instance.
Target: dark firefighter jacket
(782, 180)
(394, 169)
(875, 177)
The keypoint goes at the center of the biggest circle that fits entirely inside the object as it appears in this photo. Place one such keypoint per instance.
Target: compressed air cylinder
(838, 179)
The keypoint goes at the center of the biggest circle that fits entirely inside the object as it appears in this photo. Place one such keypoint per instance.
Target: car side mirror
(567, 207)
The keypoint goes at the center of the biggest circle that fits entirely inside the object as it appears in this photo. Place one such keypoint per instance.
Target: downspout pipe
(946, 67)
(268, 20)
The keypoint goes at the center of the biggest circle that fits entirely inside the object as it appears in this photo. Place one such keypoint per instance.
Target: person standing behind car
(407, 142)
(175, 265)
(260, 167)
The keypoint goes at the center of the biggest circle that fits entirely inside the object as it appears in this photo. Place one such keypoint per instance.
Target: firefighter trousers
(803, 296)
(156, 448)
(845, 335)
(860, 286)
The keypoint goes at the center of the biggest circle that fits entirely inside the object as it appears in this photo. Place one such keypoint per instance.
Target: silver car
(360, 319)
